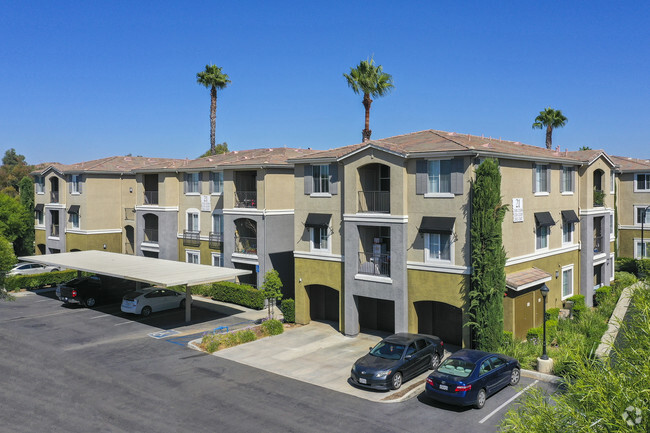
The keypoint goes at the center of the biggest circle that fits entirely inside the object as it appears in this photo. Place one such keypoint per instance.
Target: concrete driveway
(318, 354)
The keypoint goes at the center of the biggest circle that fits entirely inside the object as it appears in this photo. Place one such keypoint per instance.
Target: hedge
(601, 294)
(288, 308)
(552, 314)
(578, 304)
(17, 282)
(272, 327)
(233, 293)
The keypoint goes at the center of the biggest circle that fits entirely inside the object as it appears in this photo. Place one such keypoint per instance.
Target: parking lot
(112, 366)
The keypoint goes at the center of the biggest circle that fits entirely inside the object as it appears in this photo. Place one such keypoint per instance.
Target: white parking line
(124, 323)
(507, 402)
(42, 300)
(101, 315)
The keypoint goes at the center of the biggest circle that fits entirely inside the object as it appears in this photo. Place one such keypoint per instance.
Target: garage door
(323, 303)
(440, 319)
(376, 314)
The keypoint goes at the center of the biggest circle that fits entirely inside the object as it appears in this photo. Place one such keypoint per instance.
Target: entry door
(524, 306)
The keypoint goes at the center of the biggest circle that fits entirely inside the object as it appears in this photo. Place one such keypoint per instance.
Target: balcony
(215, 241)
(151, 197)
(374, 264)
(374, 201)
(246, 199)
(128, 248)
(54, 196)
(191, 238)
(129, 214)
(54, 230)
(151, 235)
(599, 197)
(598, 244)
(246, 245)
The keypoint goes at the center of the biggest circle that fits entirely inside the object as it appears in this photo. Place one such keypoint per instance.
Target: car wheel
(480, 399)
(435, 361)
(145, 311)
(182, 306)
(515, 376)
(90, 302)
(54, 270)
(397, 380)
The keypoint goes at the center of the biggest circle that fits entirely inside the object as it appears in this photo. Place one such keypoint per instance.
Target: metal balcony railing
(54, 196)
(151, 235)
(374, 201)
(129, 214)
(128, 248)
(191, 238)
(598, 244)
(151, 197)
(599, 197)
(54, 230)
(246, 199)
(245, 245)
(374, 264)
(215, 241)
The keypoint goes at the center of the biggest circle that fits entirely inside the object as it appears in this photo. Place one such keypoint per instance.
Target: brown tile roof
(631, 164)
(111, 164)
(526, 278)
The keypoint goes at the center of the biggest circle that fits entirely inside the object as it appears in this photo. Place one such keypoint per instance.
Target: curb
(32, 292)
(541, 376)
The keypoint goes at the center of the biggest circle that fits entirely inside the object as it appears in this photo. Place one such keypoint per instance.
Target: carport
(158, 272)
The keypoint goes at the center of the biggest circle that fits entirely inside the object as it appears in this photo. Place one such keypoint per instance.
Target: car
(469, 377)
(396, 359)
(147, 301)
(30, 268)
(90, 290)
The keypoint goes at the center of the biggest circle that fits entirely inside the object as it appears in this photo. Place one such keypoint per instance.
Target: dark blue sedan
(469, 377)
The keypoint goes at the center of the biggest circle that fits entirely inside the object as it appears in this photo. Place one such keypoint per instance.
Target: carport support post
(188, 304)
(78, 274)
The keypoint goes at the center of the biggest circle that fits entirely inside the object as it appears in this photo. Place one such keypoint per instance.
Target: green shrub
(240, 294)
(534, 335)
(601, 294)
(624, 279)
(288, 308)
(272, 327)
(643, 267)
(552, 314)
(245, 336)
(626, 264)
(17, 282)
(578, 304)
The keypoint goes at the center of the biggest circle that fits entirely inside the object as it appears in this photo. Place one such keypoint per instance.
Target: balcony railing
(151, 197)
(128, 248)
(374, 264)
(245, 245)
(129, 214)
(54, 196)
(599, 197)
(151, 235)
(215, 241)
(598, 244)
(374, 201)
(191, 238)
(246, 199)
(54, 230)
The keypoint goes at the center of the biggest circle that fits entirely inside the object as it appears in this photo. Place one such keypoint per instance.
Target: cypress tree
(488, 279)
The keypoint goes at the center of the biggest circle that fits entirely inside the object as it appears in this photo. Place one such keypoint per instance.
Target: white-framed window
(541, 179)
(640, 250)
(193, 185)
(541, 237)
(439, 176)
(611, 225)
(193, 256)
(612, 181)
(567, 281)
(567, 232)
(321, 179)
(320, 239)
(567, 180)
(40, 184)
(193, 220)
(217, 223)
(217, 182)
(639, 212)
(217, 259)
(39, 217)
(642, 182)
(437, 247)
(75, 179)
(74, 220)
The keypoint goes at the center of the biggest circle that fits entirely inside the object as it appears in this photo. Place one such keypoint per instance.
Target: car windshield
(130, 296)
(388, 350)
(456, 367)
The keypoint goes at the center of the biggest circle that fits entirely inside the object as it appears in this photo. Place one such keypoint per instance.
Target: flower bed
(211, 342)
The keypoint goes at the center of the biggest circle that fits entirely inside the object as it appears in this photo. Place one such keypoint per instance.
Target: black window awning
(437, 224)
(570, 216)
(318, 220)
(74, 208)
(544, 219)
(39, 207)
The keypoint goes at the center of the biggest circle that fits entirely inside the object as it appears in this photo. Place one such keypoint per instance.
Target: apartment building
(633, 207)
(382, 231)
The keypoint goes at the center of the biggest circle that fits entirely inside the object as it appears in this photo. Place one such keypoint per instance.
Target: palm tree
(551, 119)
(214, 79)
(372, 81)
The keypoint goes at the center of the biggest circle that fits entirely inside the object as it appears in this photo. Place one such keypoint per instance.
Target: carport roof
(159, 272)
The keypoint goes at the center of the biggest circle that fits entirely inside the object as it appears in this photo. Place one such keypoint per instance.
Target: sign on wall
(205, 203)
(517, 210)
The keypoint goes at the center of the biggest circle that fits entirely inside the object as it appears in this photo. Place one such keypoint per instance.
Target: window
(217, 182)
(437, 246)
(541, 235)
(567, 232)
(192, 256)
(541, 178)
(642, 182)
(611, 225)
(217, 223)
(74, 220)
(40, 185)
(439, 176)
(320, 238)
(612, 181)
(641, 250)
(193, 222)
(75, 179)
(567, 179)
(217, 260)
(320, 175)
(39, 217)
(193, 183)
(640, 213)
(567, 282)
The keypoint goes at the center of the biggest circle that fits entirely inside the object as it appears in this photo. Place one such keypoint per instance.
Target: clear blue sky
(85, 80)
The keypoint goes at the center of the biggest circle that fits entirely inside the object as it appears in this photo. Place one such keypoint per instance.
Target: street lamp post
(544, 290)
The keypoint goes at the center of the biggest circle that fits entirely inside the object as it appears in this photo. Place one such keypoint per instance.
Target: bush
(578, 304)
(17, 282)
(272, 327)
(624, 279)
(240, 294)
(213, 342)
(626, 264)
(602, 294)
(534, 335)
(643, 267)
(288, 308)
(552, 314)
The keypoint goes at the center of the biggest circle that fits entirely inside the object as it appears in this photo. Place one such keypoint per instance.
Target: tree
(27, 200)
(7, 260)
(373, 82)
(13, 169)
(550, 119)
(213, 79)
(15, 224)
(218, 150)
(585, 148)
(488, 279)
(272, 290)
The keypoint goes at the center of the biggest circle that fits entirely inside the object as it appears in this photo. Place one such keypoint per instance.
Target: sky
(86, 80)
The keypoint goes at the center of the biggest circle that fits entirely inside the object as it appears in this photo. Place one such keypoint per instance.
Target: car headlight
(382, 374)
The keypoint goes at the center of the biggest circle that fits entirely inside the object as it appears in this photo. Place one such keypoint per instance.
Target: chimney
(557, 149)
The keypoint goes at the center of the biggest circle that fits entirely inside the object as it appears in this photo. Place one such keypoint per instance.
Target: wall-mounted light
(130, 189)
(104, 246)
(557, 274)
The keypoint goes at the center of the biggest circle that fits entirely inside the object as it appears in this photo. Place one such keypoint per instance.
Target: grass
(211, 342)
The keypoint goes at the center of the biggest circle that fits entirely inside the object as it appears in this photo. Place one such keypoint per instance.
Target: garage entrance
(376, 314)
(323, 303)
(440, 319)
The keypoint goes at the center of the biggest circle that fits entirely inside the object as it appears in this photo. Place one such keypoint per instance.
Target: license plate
(362, 380)
(444, 387)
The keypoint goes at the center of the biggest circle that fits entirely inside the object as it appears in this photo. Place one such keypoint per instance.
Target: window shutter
(201, 176)
(211, 182)
(334, 178)
(69, 178)
(534, 178)
(562, 178)
(309, 185)
(81, 181)
(185, 183)
(549, 175)
(457, 175)
(421, 176)
(573, 179)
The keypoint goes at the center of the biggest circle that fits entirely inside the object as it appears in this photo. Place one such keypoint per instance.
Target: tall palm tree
(551, 119)
(214, 79)
(372, 81)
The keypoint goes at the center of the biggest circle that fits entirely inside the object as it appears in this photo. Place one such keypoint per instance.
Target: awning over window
(570, 216)
(544, 219)
(527, 278)
(437, 224)
(39, 207)
(74, 208)
(318, 220)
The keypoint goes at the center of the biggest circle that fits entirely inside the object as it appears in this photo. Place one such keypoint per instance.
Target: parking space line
(42, 300)
(97, 317)
(124, 323)
(507, 402)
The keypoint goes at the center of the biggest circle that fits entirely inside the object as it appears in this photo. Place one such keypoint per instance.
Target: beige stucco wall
(84, 242)
(39, 238)
(100, 201)
(626, 240)
(278, 189)
(586, 184)
(309, 272)
(205, 252)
